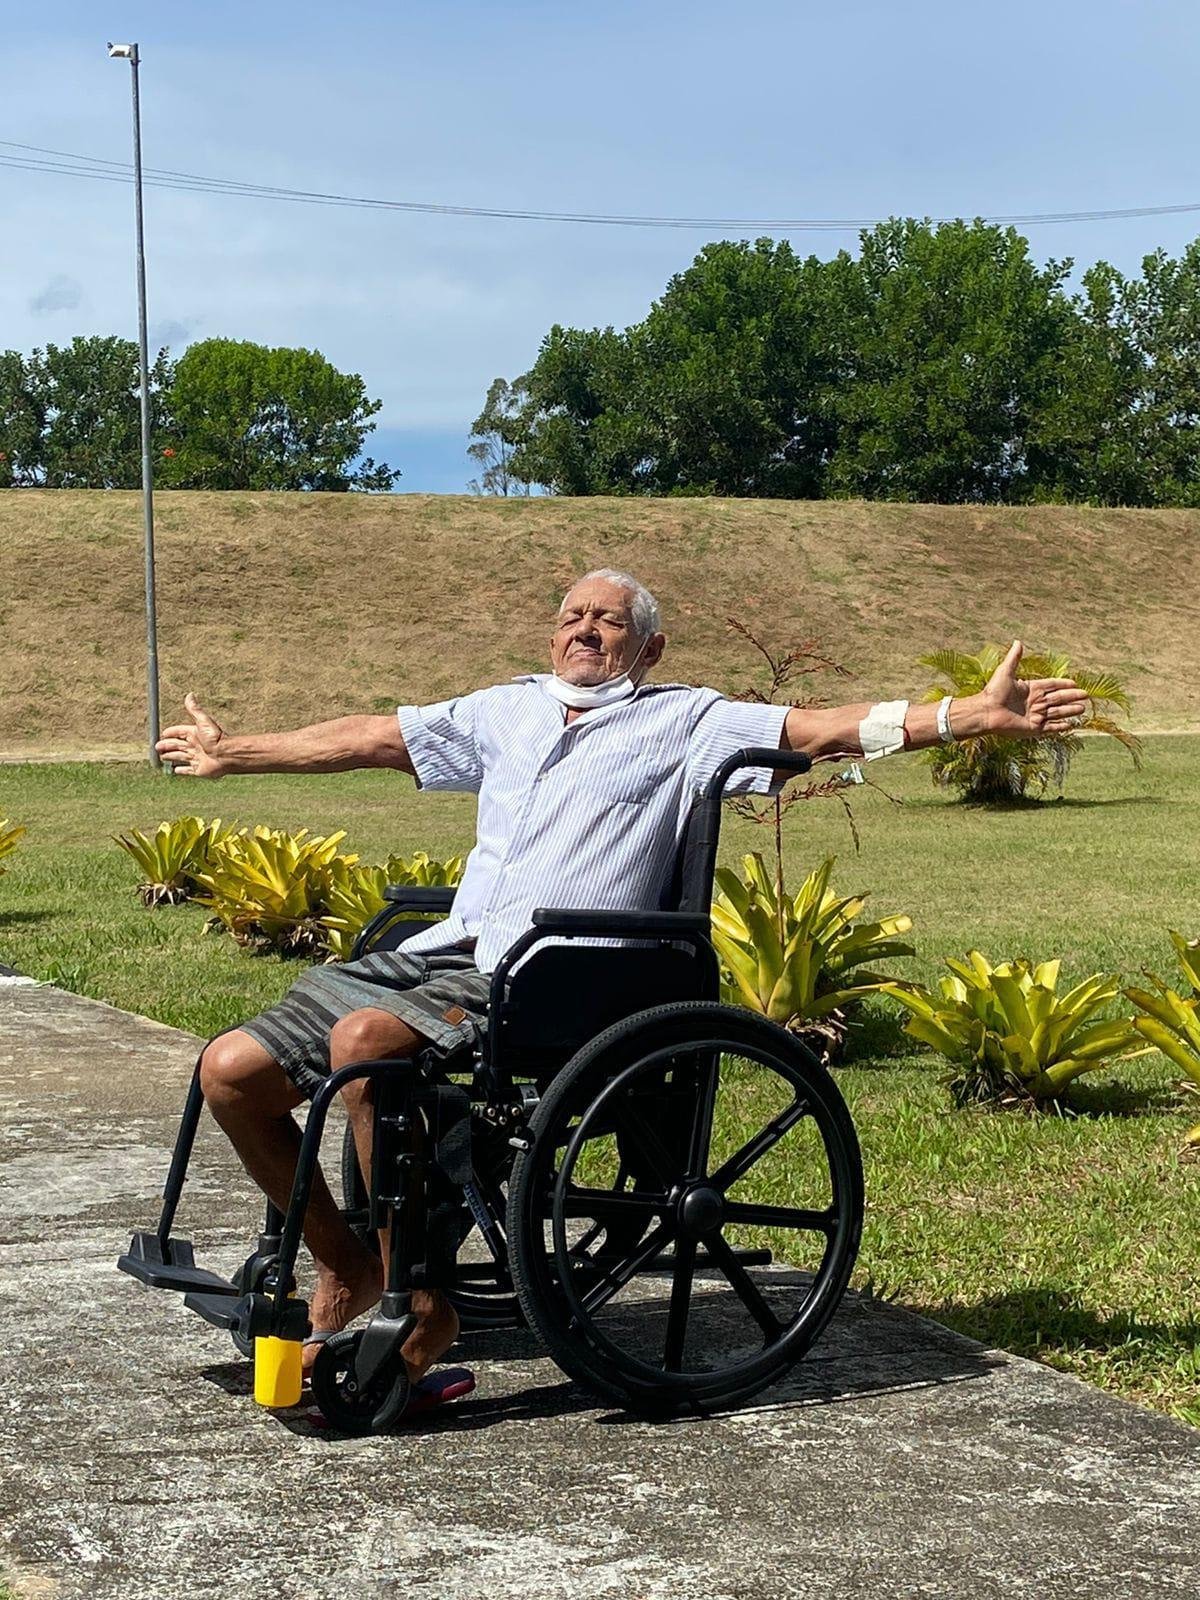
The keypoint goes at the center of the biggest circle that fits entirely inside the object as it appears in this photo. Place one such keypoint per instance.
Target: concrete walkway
(899, 1460)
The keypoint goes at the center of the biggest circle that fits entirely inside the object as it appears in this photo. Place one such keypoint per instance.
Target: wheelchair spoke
(707, 1078)
(754, 1149)
(681, 1299)
(743, 1284)
(781, 1217)
(602, 1204)
(618, 1276)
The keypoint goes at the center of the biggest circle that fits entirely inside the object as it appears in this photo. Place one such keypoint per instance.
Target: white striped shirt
(585, 815)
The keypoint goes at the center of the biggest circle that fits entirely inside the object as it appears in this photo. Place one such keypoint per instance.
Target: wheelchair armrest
(626, 924)
(419, 898)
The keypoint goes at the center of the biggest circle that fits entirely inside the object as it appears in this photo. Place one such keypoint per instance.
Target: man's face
(595, 638)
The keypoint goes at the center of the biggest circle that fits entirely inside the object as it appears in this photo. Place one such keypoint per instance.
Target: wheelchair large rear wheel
(685, 1221)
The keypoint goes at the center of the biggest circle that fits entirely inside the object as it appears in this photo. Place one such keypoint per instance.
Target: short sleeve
(726, 726)
(442, 744)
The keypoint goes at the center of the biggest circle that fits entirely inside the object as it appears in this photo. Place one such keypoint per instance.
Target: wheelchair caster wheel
(355, 1408)
(248, 1278)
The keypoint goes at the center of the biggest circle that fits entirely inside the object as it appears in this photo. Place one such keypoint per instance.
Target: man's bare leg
(252, 1099)
(372, 1035)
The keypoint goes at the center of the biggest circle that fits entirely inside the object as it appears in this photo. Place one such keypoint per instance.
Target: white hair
(643, 606)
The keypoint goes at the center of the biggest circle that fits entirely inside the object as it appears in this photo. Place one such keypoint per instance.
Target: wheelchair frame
(520, 1085)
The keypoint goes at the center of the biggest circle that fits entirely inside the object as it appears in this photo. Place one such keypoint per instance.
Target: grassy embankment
(280, 609)
(1072, 1239)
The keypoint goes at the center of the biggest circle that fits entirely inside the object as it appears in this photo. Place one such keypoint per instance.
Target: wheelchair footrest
(222, 1310)
(172, 1267)
(251, 1315)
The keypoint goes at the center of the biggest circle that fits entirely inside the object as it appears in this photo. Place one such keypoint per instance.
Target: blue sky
(706, 108)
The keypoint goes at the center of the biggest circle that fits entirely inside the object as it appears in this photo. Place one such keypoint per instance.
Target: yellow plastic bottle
(277, 1374)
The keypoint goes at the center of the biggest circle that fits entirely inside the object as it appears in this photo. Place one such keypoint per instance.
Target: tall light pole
(129, 52)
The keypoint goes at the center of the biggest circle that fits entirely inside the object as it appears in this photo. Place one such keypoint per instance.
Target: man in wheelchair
(587, 779)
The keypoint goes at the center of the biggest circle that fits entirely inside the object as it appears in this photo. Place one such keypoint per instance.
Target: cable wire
(66, 163)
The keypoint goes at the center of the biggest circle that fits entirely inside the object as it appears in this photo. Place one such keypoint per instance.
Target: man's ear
(655, 647)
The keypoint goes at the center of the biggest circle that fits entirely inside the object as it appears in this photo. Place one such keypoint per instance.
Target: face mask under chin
(587, 696)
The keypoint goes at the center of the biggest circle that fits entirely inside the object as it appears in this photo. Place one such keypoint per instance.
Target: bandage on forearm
(881, 731)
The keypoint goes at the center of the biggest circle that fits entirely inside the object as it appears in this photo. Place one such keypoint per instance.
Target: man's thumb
(1013, 659)
(196, 709)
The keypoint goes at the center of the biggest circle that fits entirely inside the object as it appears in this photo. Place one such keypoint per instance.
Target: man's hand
(193, 748)
(1029, 708)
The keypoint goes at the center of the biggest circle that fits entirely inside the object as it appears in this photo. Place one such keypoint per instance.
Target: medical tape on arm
(881, 731)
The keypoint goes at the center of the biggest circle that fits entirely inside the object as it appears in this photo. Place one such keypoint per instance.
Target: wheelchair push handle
(793, 761)
(704, 831)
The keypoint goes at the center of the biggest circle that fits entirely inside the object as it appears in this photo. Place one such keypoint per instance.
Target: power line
(66, 163)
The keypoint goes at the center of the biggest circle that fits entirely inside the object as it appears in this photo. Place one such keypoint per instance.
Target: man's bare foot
(342, 1294)
(435, 1332)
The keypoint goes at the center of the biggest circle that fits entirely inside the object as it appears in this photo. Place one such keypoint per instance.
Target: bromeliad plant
(994, 767)
(1009, 1032)
(354, 893)
(10, 832)
(268, 888)
(174, 857)
(799, 959)
(1170, 1020)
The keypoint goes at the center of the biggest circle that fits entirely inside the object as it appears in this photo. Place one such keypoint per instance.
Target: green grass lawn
(1069, 1238)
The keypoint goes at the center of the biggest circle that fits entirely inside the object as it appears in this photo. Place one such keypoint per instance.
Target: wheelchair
(667, 1190)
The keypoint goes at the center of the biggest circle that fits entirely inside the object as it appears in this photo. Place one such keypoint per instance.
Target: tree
(495, 433)
(578, 430)
(1083, 443)
(718, 391)
(733, 367)
(953, 336)
(87, 396)
(1163, 311)
(248, 417)
(22, 422)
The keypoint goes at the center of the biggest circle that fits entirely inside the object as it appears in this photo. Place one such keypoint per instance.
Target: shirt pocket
(623, 773)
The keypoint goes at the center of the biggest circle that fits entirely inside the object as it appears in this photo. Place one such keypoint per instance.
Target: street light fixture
(129, 52)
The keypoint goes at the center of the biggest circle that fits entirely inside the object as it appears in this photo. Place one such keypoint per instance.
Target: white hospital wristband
(945, 731)
(881, 731)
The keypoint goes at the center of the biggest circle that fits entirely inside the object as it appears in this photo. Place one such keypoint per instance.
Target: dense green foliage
(228, 414)
(939, 364)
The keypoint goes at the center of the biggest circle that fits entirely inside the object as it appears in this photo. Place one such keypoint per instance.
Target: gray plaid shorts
(443, 996)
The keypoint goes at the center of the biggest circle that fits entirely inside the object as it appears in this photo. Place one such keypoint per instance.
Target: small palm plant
(994, 767)
(1009, 1032)
(10, 832)
(1170, 1020)
(173, 857)
(799, 959)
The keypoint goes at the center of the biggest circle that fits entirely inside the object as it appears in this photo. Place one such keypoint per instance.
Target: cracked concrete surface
(899, 1459)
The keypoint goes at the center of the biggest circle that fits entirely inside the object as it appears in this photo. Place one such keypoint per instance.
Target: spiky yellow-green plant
(268, 888)
(354, 893)
(995, 767)
(1009, 1031)
(172, 858)
(10, 832)
(1170, 1020)
(796, 958)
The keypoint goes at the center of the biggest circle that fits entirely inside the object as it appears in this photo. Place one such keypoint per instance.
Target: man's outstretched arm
(1019, 708)
(202, 748)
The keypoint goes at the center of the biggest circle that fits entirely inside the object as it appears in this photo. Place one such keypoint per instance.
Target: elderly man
(585, 777)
